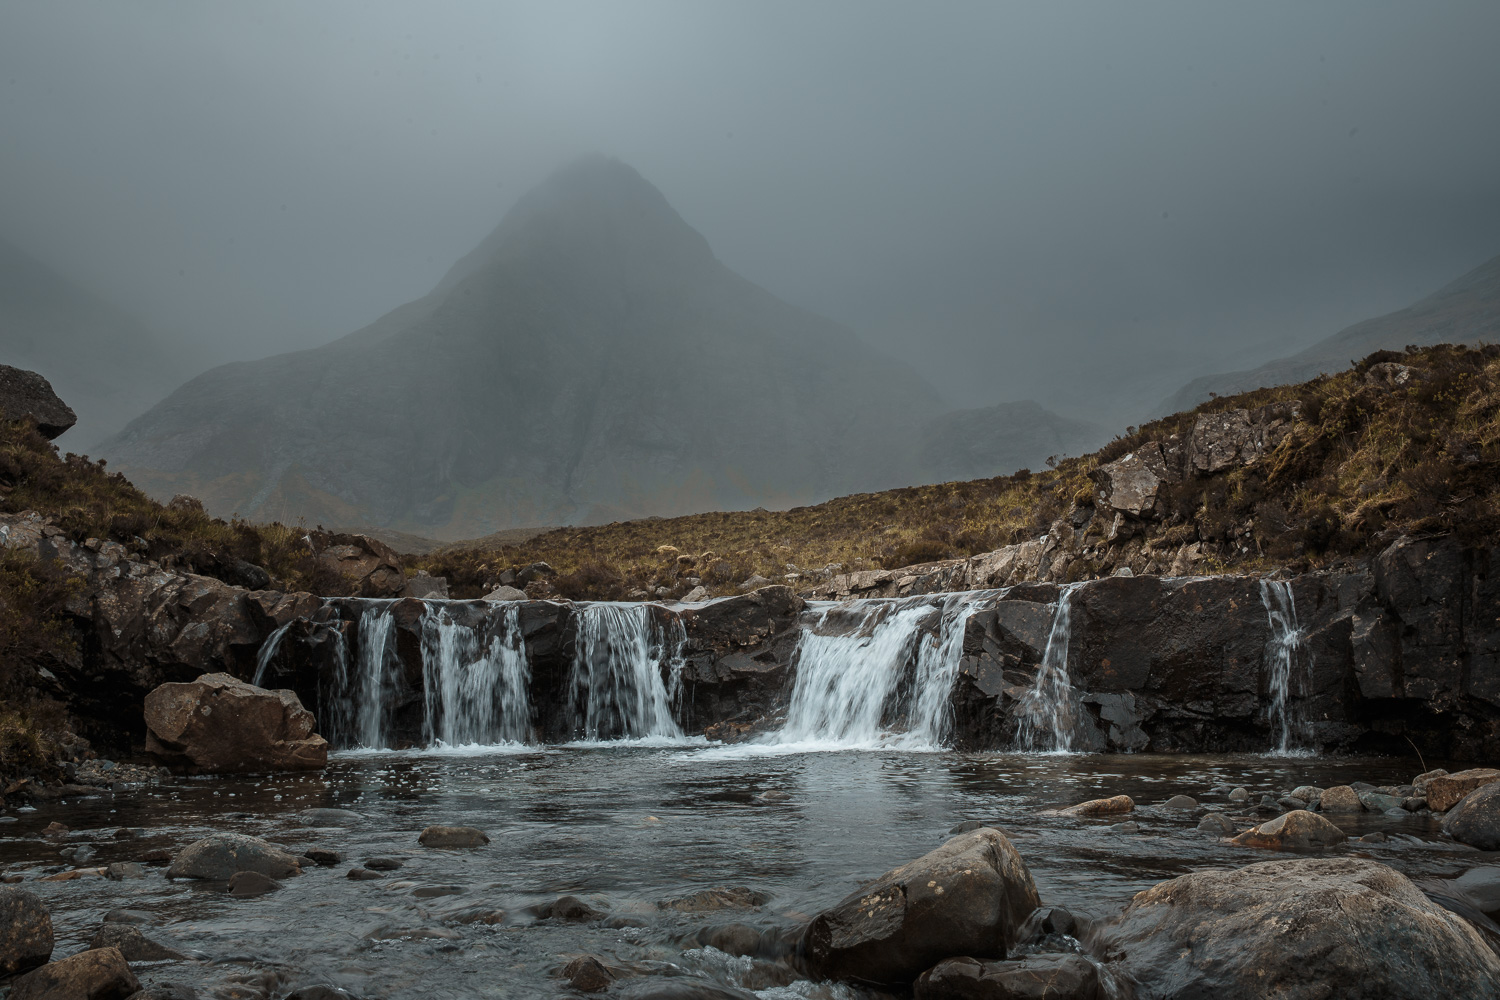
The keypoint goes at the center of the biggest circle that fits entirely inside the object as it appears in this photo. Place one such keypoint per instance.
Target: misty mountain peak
(596, 217)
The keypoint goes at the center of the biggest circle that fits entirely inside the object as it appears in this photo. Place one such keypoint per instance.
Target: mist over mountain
(590, 360)
(108, 366)
(1465, 311)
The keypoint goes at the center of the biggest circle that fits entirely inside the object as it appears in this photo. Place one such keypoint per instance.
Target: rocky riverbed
(692, 870)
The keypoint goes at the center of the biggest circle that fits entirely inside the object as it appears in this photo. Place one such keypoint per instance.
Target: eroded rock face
(1131, 484)
(219, 725)
(372, 567)
(27, 394)
(1340, 927)
(968, 897)
(1229, 438)
(25, 931)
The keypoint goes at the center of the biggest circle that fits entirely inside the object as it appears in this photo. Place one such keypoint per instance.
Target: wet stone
(587, 975)
(966, 826)
(158, 858)
(97, 974)
(25, 931)
(1185, 802)
(331, 817)
(363, 874)
(383, 864)
(121, 870)
(734, 898)
(321, 993)
(434, 891)
(1300, 829)
(1111, 806)
(453, 836)
(1341, 799)
(322, 857)
(223, 855)
(1216, 824)
(134, 945)
(244, 885)
(1049, 976)
(1126, 827)
(1239, 795)
(568, 908)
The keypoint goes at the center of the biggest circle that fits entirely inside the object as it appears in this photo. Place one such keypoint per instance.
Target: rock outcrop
(1448, 790)
(219, 725)
(372, 567)
(968, 897)
(1344, 927)
(26, 394)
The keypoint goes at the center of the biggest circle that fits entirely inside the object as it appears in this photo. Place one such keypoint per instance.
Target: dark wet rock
(25, 931)
(568, 908)
(158, 858)
(1239, 795)
(246, 885)
(1475, 820)
(678, 988)
(1217, 824)
(1185, 802)
(1035, 977)
(743, 939)
(1112, 806)
(1290, 802)
(1482, 886)
(218, 724)
(321, 993)
(331, 817)
(1379, 802)
(478, 915)
(97, 974)
(1376, 837)
(1446, 791)
(122, 870)
(708, 900)
(323, 857)
(383, 864)
(1341, 799)
(363, 874)
(453, 836)
(221, 855)
(1298, 830)
(26, 394)
(1362, 932)
(134, 945)
(969, 896)
(55, 829)
(587, 974)
(166, 991)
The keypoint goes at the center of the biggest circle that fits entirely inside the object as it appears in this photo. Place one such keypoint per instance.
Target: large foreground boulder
(25, 931)
(27, 394)
(968, 897)
(96, 974)
(223, 855)
(218, 724)
(1339, 927)
(1476, 819)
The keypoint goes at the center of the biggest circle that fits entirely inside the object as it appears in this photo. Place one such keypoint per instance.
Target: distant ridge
(1467, 311)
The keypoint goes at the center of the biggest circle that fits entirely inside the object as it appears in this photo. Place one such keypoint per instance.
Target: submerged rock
(1336, 927)
(1298, 829)
(97, 974)
(968, 897)
(221, 855)
(1476, 819)
(1112, 806)
(1446, 791)
(587, 974)
(453, 836)
(708, 900)
(133, 944)
(220, 725)
(246, 885)
(1216, 823)
(1035, 977)
(25, 931)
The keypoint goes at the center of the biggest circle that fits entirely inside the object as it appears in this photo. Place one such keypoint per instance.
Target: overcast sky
(1082, 203)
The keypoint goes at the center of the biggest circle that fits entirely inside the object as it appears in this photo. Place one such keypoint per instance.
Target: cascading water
(1048, 712)
(475, 680)
(1281, 655)
(268, 652)
(377, 659)
(878, 673)
(627, 673)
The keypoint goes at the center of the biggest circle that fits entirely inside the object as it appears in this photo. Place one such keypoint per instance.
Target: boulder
(247, 885)
(1035, 977)
(423, 585)
(1237, 437)
(504, 593)
(370, 567)
(1112, 806)
(97, 974)
(25, 931)
(1445, 791)
(452, 836)
(132, 944)
(217, 724)
(1340, 799)
(26, 394)
(1298, 830)
(221, 855)
(587, 974)
(968, 897)
(1337, 927)
(1216, 824)
(1476, 819)
(1131, 484)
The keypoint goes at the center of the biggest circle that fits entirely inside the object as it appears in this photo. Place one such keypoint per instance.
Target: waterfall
(268, 651)
(475, 680)
(377, 658)
(1048, 712)
(1281, 654)
(627, 673)
(878, 673)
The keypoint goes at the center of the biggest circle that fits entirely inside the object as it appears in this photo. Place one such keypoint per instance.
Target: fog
(1081, 203)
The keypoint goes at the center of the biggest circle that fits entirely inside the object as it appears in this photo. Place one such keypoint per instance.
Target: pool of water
(624, 827)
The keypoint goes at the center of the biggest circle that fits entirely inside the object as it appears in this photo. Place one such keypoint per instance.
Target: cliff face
(590, 360)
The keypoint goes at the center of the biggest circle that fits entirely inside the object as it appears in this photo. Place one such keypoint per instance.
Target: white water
(377, 657)
(876, 673)
(267, 651)
(627, 673)
(475, 682)
(1281, 655)
(1048, 712)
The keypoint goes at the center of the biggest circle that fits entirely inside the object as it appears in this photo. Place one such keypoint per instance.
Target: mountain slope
(590, 360)
(998, 440)
(108, 367)
(1466, 311)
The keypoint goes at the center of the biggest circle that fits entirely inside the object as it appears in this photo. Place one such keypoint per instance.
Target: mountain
(107, 366)
(1464, 312)
(998, 440)
(590, 360)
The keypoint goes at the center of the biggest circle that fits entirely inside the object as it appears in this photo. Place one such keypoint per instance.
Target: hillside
(105, 364)
(590, 360)
(1467, 311)
(1399, 444)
